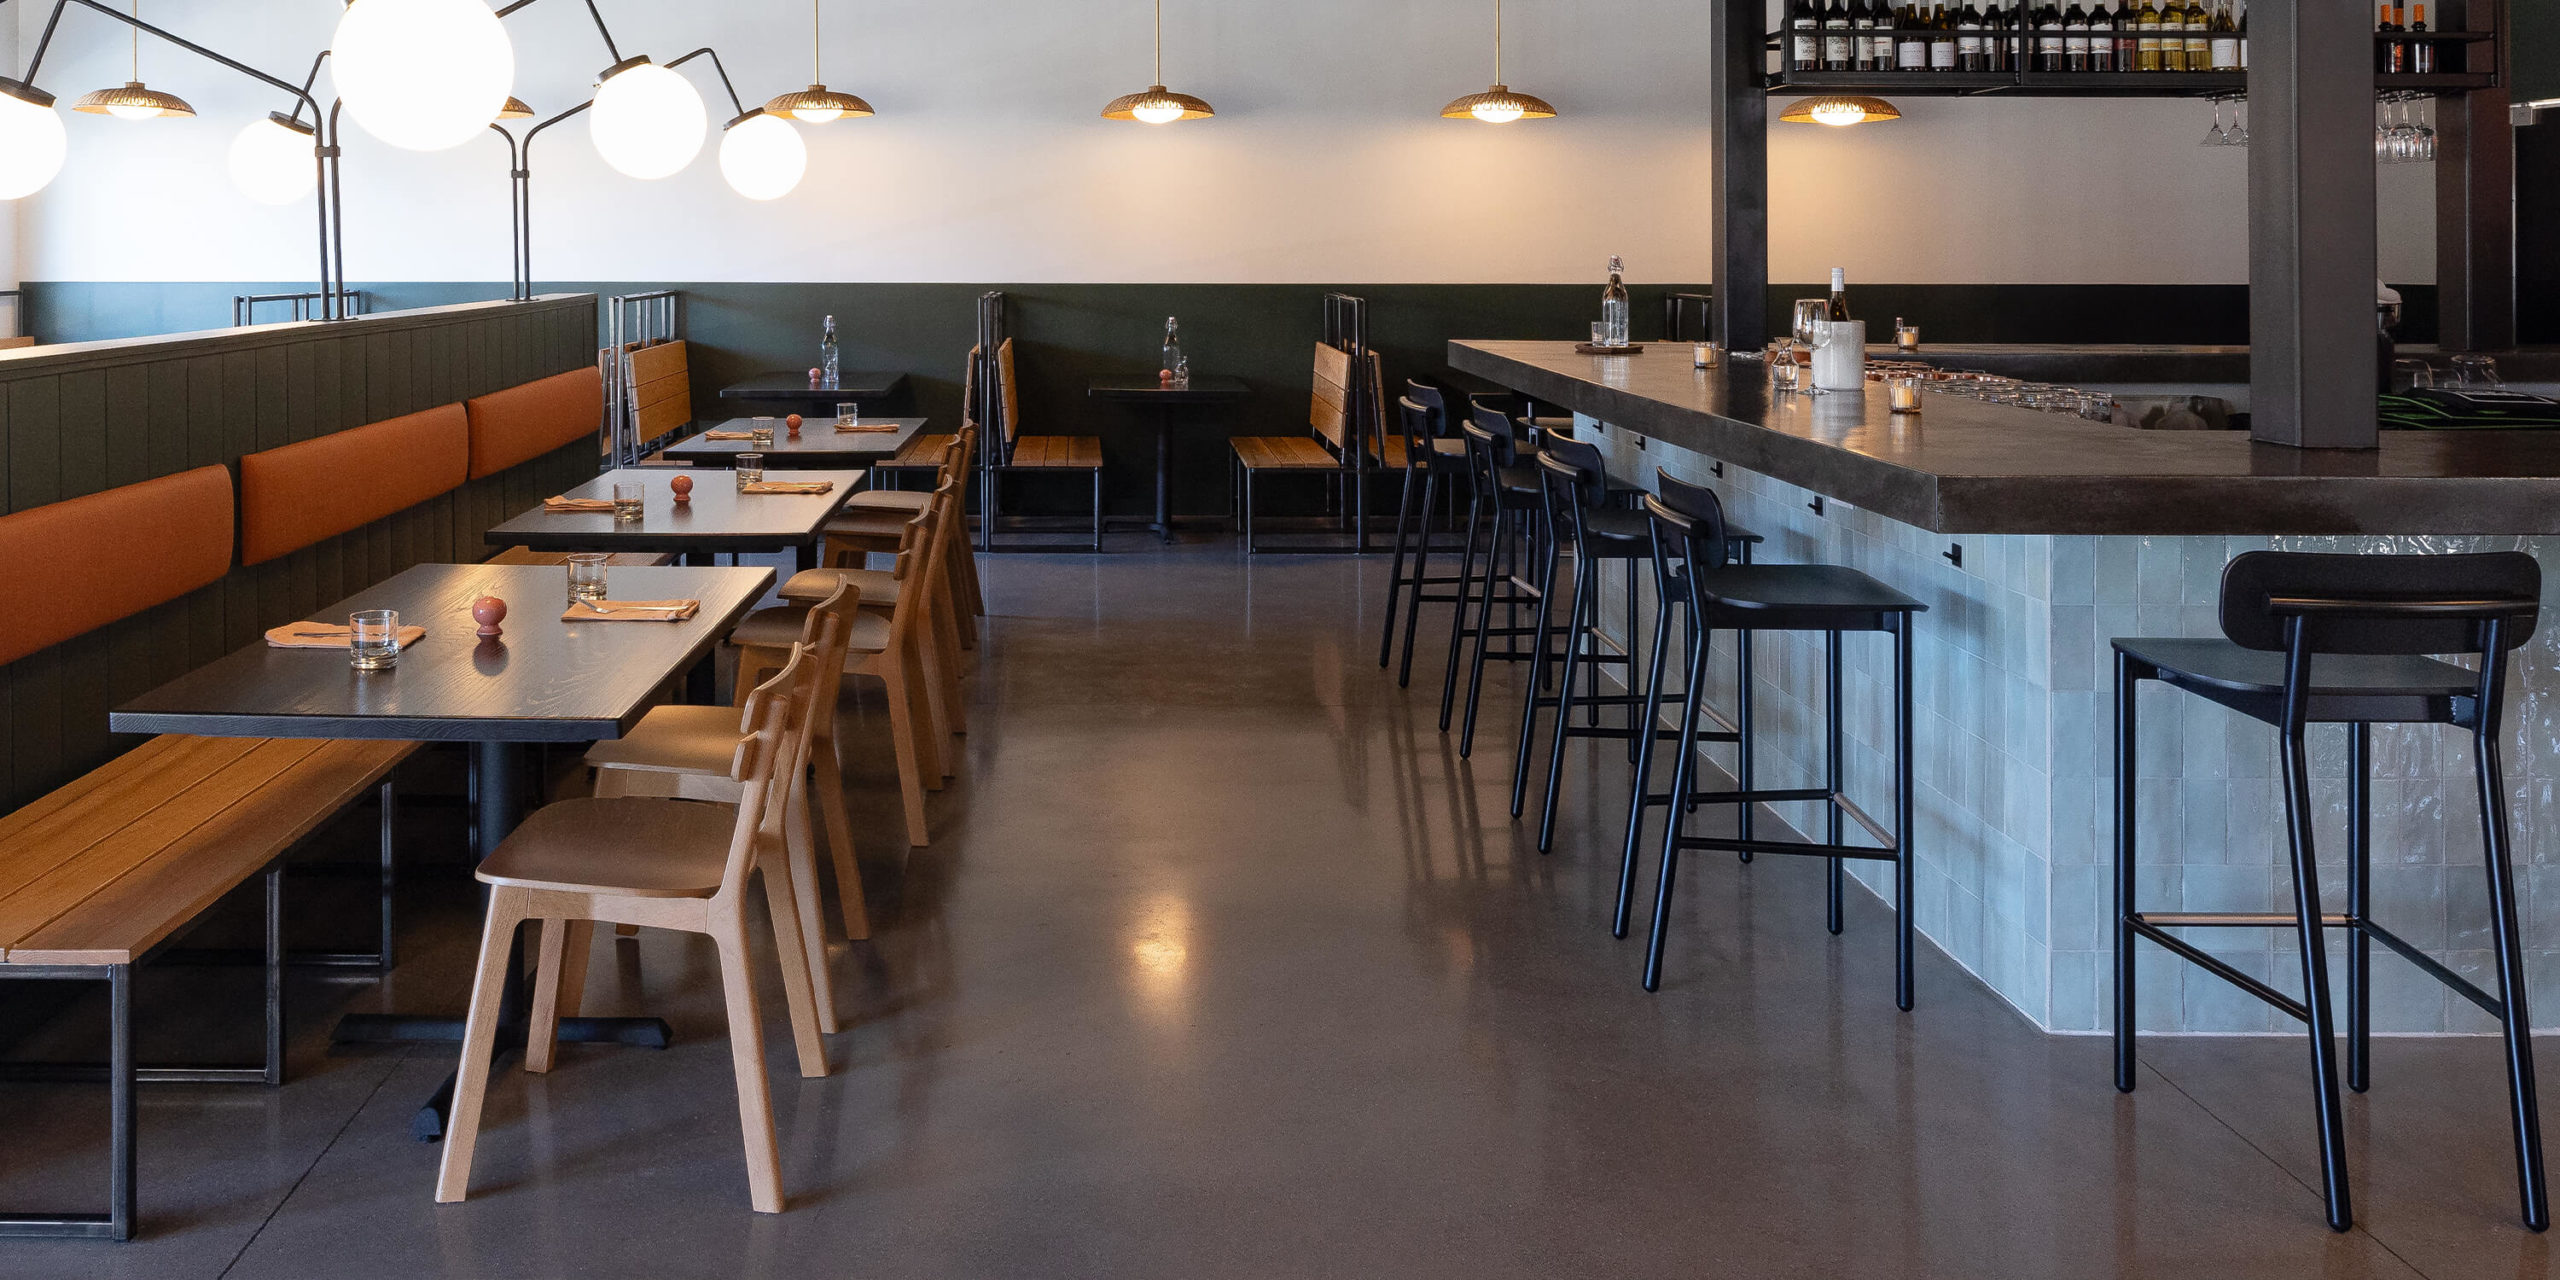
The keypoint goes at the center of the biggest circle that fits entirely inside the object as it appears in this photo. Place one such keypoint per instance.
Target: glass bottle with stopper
(1613, 306)
(1176, 370)
(830, 370)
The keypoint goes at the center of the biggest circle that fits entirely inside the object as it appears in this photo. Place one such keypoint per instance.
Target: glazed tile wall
(2013, 732)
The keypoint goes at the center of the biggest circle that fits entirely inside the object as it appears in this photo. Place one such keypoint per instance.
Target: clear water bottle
(830, 365)
(1613, 305)
(1176, 368)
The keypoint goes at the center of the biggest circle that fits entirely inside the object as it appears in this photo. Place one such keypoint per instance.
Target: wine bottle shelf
(2079, 84)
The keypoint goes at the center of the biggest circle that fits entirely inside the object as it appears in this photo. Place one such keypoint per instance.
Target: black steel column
(2312, 237)
(1740, 173)
(2476, 203)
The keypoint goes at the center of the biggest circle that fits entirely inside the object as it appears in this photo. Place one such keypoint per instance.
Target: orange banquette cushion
(297, 495)
(76, 566)
(523, 423)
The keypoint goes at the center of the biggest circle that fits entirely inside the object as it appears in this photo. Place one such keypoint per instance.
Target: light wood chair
(658, 863)
(948, 606)
(683, 751)
(870, 521)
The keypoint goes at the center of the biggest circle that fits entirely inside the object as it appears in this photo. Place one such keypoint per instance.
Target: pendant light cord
(1497, 41)
(816, 70)
(137, 41)
(1159, 42)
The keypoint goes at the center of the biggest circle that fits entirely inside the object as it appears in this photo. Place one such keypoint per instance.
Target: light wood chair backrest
(1007, 402)
(766, 754)
(827, 633)
(1338, 395)
(661, 388)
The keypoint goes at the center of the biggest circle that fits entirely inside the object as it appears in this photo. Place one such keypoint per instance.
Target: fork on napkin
(788, 486)
(630, 610)
(850, 428)
(601, 505)
(325, 635)
(728, 435)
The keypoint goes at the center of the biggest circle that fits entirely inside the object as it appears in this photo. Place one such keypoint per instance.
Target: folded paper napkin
(867, 426)
(788, 486)
(577, 504)
(728, 435)
(323, 635)
(632, 611)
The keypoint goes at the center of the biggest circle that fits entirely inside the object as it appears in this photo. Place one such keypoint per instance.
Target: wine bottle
(1804, 37)
(1862, 22)
(2244, 37)
(1999, 38)
(1835, 37)
(1969, 39)
(2226, 38)
(2075, 38)
(1839, 295)
(2173, 35)
(2049, 38)
(2128, 39)
(2387, 56)
(1942, 41)
(2102, 37)
(2422, 53)
(2199, 37)
(2146, 25)
(1911, 40)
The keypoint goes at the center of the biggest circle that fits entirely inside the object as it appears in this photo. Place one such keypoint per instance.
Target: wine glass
(2215, 136)
(1810, 313)
(2239, 126)
(2426, 140)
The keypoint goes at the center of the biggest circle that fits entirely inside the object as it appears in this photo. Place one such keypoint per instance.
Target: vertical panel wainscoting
(2014, 735)
(86, 417)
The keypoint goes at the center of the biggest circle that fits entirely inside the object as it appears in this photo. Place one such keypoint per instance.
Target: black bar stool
(1689, 535)
(1577, 510)
(1510, 506)
(2369, 621)
(1430, 459)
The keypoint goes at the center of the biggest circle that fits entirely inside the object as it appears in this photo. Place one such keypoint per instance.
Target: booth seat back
(303, 493)
(76, 566)
(525, 422)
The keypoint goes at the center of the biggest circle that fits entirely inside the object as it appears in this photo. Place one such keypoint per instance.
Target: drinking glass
(1810, 312)
(373, 639)
(2412, 375)
(750, 469)
(1599, 333)
(1906, 337)
(629, 500)
(849, 413)
(586, 575)
(1783, 373)
(2476, 372)
(1903, 394)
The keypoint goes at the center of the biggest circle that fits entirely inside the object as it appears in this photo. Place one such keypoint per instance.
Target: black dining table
(1163, 401)
(545, 680)
(716, 519)
(787, 387)
(820, 445)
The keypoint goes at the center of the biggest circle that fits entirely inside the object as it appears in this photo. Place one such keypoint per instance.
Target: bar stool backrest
(1575, 471)
(1433, 399)
(1688, 516)
(2388, 604)
(1495, 423)
(1415, 418)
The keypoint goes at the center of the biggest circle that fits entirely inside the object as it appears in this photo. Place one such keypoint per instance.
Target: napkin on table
(728, 435)
(324, 635)
(788, 486)
(631, 611)
(867, 426)
(577, 504)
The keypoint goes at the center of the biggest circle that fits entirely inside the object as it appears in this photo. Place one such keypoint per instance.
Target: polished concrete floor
(1223, 964)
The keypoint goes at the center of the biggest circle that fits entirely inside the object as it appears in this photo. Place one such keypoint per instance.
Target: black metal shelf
(2081, 84)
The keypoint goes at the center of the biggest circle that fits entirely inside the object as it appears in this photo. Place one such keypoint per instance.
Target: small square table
(718, 519)
(819, 445)
(785, 387)
(545, 680)
(1166, 400)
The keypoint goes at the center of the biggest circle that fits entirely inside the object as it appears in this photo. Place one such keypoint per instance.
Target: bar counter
(1962, 466)
(2036, 539)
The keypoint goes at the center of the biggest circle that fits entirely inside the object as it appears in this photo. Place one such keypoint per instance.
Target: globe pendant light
(816, 104)
(422, 75)
(272, 161)
(32, 143)
(1499, 104)
(1157, 104)
(1839, 110)
(134, 101)
(647, 122)
(762, 156)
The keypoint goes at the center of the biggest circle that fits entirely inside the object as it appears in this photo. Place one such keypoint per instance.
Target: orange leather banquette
(523, 423)
(76, 566)
(299, 494)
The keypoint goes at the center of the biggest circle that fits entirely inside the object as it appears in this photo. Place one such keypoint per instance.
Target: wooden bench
(103, 873)
(1333, 417)
(1055, 455)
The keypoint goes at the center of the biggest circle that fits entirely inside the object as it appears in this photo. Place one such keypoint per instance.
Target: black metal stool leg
(1421, 577)
(1583, 619)
(1496, 556)
(1395, 575)
(2359, 906)
(2315, 978)
(1905, 803)
(2524, 1112)
(1458, 614)
(1741, 747)
(1832, 780)
(1675, 825)
(1644, 739)
(2128, 701)
(1538, 675)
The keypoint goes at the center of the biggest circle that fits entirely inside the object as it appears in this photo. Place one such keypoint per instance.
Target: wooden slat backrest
(1330, 411)
(179, 865)
(1007, 402)
(661, 389)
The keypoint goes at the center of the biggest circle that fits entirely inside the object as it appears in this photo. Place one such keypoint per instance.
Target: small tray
(1586, 349)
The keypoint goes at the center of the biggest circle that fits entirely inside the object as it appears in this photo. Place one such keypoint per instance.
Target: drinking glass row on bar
(1878, 35)
(1790, 372)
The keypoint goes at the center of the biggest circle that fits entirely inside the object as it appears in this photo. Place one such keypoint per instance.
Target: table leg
(805, 556)
(1164, 473)
(497, 769)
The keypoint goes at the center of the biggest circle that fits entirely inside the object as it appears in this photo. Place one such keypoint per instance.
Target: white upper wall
(989, 162)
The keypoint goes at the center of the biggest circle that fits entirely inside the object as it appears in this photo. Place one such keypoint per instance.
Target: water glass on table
(760, 432)
(629, 502)
(1783, 370)
(849, 414)
(373, 639)
(2476, 373)
(586, 575)
(750, 470)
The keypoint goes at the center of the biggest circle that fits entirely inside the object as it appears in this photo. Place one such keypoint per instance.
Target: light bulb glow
(32, 145)
(272, 164)
(423, 75)
(763, 157)
(648, 122)
(1839, 113)
(1498, 112)
(134, 113)
(1158, 112)
(817, 115)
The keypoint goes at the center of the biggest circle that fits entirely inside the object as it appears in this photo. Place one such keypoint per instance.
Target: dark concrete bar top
(2114, 364)
(1963, 466)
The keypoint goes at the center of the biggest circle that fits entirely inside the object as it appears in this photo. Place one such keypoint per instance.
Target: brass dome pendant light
(134, 101)
(1499, 104)
(817, 104)
(1839, 110)
(1157, 104)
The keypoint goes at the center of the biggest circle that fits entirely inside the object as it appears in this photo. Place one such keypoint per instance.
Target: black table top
(819, 445)
(719, 518)
(545, 680)
(788, 386)
(1148, 391)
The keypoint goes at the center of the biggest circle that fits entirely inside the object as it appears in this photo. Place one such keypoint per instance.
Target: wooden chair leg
(933, 726)
(903, 740)
(746, 1061)
(559, 974)
(791, 948)
(946, 647)
(839, 831)
(479, 1039)
(801, 857)
(961, 594)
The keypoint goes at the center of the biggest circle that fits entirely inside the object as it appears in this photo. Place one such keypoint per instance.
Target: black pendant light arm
(522, 174)
(592, 12)
(716, 65)
(182, 42)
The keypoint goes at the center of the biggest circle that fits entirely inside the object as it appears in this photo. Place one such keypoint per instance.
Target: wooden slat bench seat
(921, 456)
(103, 872)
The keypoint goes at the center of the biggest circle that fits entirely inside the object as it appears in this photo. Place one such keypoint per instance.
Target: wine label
(2077, 45)
(1942, 55)
(2226, 53)
(1912, 55)
(1807, 50)
(1969, 45)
